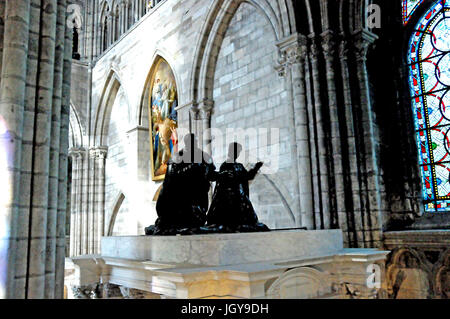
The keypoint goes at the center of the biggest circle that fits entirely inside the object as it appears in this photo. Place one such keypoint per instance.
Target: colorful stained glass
(429, 78)
(409, 6)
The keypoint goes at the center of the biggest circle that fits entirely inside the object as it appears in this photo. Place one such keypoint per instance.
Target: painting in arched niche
(163, 118)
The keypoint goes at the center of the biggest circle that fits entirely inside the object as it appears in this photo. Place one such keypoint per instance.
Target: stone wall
(122, 72)
(249, 94)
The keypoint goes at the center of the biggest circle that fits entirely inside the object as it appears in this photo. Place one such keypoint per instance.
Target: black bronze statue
(231, 209)
(183, 201)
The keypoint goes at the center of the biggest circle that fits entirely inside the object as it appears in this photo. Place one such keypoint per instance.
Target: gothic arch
(75, 129)
(219, 17)
(103, 116)
(115, 210)
(281, 191)
(441, 273)
(143, 104)
(399, 259)
(308, 275)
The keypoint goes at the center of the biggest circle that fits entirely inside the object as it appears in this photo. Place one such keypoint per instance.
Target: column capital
(291, 50)
(194, 111)
(205, 108)
(328, 43)
(76, 152)
(363, 39)
(343, 49)
(98, 152)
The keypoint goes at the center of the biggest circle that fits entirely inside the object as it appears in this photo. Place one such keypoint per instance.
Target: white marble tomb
(278, 264)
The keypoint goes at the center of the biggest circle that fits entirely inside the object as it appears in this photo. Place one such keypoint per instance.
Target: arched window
(409, 6)
(105, 34)
(429, 79)
(116, 23)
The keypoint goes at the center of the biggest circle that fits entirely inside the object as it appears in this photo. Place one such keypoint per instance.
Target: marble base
(225, 249)
(285, 264)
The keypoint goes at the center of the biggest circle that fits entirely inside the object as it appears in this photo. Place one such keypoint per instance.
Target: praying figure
(183, 201)
(231, 208)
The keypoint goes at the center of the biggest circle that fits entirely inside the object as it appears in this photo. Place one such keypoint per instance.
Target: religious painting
(163, 101)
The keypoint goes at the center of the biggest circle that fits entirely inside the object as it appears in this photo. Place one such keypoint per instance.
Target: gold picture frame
(163, 121)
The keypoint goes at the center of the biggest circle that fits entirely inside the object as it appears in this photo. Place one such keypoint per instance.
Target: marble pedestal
(278, 264)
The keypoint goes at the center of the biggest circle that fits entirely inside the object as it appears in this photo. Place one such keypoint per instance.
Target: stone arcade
(94, 96)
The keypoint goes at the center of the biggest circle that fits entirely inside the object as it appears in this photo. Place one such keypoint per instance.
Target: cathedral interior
(343, 100)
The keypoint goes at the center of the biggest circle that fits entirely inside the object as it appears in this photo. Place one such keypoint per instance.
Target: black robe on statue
(231, 207)
(183, 201)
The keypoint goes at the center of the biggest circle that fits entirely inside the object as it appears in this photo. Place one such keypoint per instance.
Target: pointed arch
(162, 116)
(143, 104)
(115, 211)
(219, 17)
(75, 129)
(428, 61)
(103, 116)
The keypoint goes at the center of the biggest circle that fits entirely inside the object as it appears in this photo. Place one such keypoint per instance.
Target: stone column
(374, 205)
(78, 203)
(91, 195)
(323, 220)
(100, 183)
(124, 16)
(354, 179)
(338, 198)
(194, 113)
(31, 89)
(114, 21)
(12, 98)
(84, 212)
(41, 153)
(206, 108)
(53, 196)
(110, 29)
(76, 155)
(127, 17)
(293, 54)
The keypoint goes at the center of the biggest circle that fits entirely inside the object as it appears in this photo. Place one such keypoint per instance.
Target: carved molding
(291, 50)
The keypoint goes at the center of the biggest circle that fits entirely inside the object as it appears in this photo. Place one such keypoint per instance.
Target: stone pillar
(76, 156)
(322, 221)
(41, 152)
(97, 200)
(354, 179)
(124, 16)
(206, 108)
(53, 195)
(110, 29)
(91, 194)
(292, 64)
(316, 187)
(12, 95)
(338, 196)
(374, 205)
(84, 212)
(194, 113)
(114, 26)
(31, 111)
(127, 17)
(100, 218)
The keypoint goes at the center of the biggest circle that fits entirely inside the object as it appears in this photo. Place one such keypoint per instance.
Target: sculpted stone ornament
(231, 209)
(183, 201)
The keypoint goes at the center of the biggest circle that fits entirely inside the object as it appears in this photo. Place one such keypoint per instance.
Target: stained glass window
(429, 77)
(409, 6)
